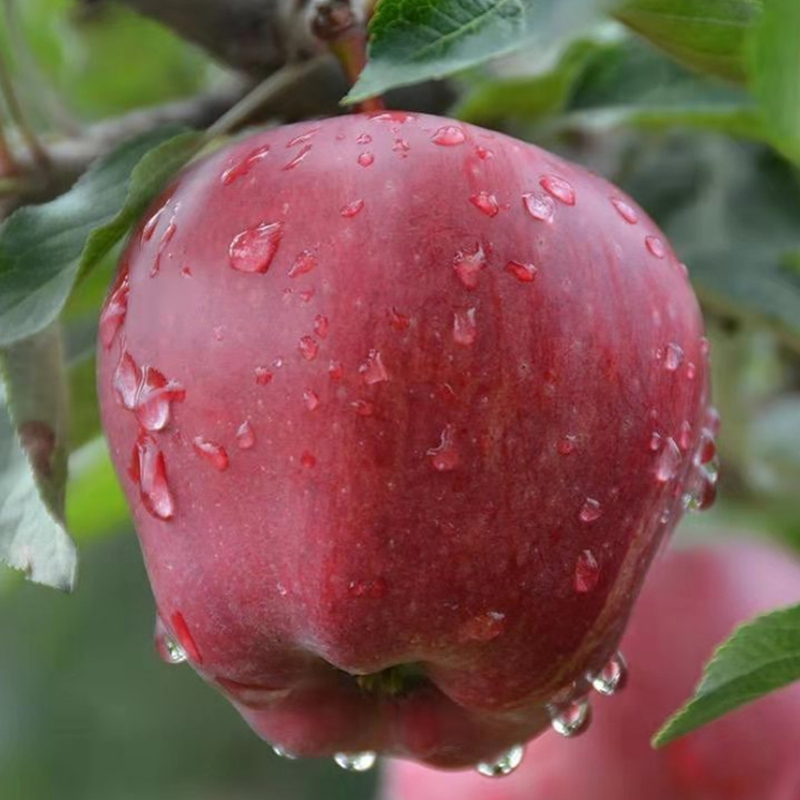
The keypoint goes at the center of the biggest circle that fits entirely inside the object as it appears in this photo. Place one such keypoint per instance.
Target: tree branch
(69, 157)
(254, 36)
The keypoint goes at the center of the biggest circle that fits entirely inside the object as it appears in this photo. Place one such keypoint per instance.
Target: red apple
(403, 408)
(691, 602)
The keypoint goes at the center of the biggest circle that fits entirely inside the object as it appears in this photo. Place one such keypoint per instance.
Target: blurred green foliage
(99, 62)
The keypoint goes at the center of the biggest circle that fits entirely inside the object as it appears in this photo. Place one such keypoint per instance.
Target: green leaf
(620, 81)
(709, 36)
(631, 83)
(775, 73)
(45, 249)
(33, 467)
(93, 57)
(416, 40)
(741, 230)
(527, 97)
(760, 657)
(731, 211)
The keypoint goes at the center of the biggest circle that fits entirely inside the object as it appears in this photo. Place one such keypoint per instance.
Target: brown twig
(70, 157)
(39, 87)
(272, 87)
(19, 118)
(8, 164)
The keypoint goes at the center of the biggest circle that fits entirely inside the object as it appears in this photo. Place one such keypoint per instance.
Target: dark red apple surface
(691, 602)
(403, 409)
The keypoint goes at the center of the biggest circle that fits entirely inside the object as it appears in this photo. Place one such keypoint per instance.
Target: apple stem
(335, 22)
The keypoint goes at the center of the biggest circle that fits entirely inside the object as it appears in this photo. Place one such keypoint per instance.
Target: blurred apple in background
(691, 602)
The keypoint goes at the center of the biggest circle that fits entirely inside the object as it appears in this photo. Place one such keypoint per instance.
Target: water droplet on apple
(655, 246)
(486, 203)
(148, 470)
(302, 138)
(308, 347)
(302, 153)
(691, 370)
(166, 238)
(311, 400)
(444, 457)
(303, 264)
(559, 188)
(712, 420)
(373, 369)
(668, 461)
(655, 442)
(245, 436)
(185, 637)
(685, 437)
(114, 313)
(705, 346)
(587, 572)
(701, 488)
(214, 453)
(612, 678)
(504, 764)
(398, 320)
(364, 138)
(702, 491)
(351, 209)
(154, 397)
(173, 652)
(321, 325)
(708, 448)
(366, 159)
(335, 370)
(372, 589)
(449, 135)
(263, 376)
(167, 648)
(150, 226)
(125, 382)
(625, 210)
(483, 153)
(591, 510)
(524, 273)
(244, 166)
(465, 329)
(281, 752)
(483, 627)
(566, 444)
(539, 206)
(401, 146)
(253, 249)
(363, 408)
(573, 719)
(356, 762)
(393, 117)
(673, 356)
(308, 459)
(468, 266)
